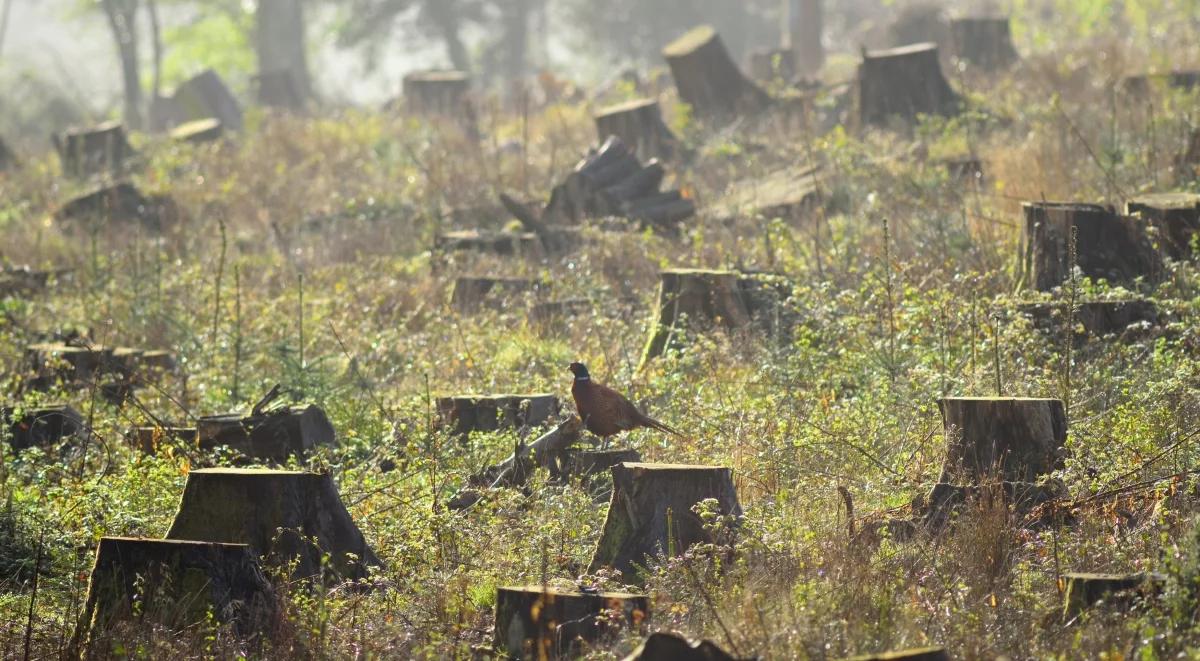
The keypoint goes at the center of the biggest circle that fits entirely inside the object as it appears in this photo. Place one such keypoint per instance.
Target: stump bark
(275, 435)
(651, 512)
(1108, 246)
(205, 96)
(95, 150)
(285, 516)
(473, 294)
(984, 42)
(918, 654)
(902, 83)
(442, 93)
(662, 646)
(198, 131)
(1176, 217)
(708, 79)
(639, 124)
(464, 414)
(1085, 590)
(177, 584)
(533, 622)
(42, 427)
(1096, 318)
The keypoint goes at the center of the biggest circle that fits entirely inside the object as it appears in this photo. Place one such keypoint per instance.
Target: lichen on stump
(708, 79)
(1175, 215)
(1108, 246)
(176, 584)
(651, 512)
(250, 506)
(903, 83)
(536, 622)
(463, 414)
(272, 435)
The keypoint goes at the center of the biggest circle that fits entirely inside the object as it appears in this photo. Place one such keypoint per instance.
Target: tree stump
(250, 506)
(661, 646)
(497, 243)
(1108, 246)
(533, 622)
(441, 93)
(1096, 318)
(275, 435)
(984, 42)
(198, 131)
(96, 150)
(150, 439)
(1119, 590)
(696, 299)
(1175, 215)
(708, 79)
(177, 584)
(41, 427)
(205, 96)
(463, 414)
(472, 295)
(639, 124)
(918, 654)
(279, 89)
(119, 203)
(8, 159)
(580, 463)
(62, 362)
(903, 83)
(651, 512)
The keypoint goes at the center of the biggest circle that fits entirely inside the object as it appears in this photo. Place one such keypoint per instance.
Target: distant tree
(122, 20)
(369, 22)
(280, 41)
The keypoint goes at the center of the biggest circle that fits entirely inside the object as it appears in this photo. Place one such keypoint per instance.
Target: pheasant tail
(647, 421)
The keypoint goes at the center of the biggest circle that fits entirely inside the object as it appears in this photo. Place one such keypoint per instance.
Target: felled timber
(984, 42)
(536, 622)
(663, 646)
(463, 414)
(1119, 591)
(269, 435)
(708, 79)
(903, 83)
(1109, 246)
(1175, 215)
(41, 427)
(639, 124)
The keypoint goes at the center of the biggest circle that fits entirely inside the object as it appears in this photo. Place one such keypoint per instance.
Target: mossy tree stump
(984, 42)
(1085, 590)
(917, 654)
(274, 435)
(1176, 215)
(639, 124)
(94, 150)
(251, 506)
(440, 93)
(662, 646)
(708, 79)
(1108, 246)
(174, 583)
(473, 294)
(902, 83)
(41, 427)
(533, 622)
(464, 414)
(1096, 318)
(651, 512)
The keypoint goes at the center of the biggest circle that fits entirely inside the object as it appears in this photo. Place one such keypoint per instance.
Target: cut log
(176, 584)
(442, 93)
(535, 622)
(1175, 215)
(1083, 590)
(463, 414)
(95, 150)
(903, 83)
(198, 131)
(471, 295)
(1109, 246)
(663, 646)
(1096, 318)
(708, 79)
(918, 654)
(984, 42)
(496, 243)
(42, 427)
(695, 299)
(276, 435)
(279, 89)
(640, 125)
(150, 439)
(651, 512)
(205, 96)
(285, 516)
(512, 471)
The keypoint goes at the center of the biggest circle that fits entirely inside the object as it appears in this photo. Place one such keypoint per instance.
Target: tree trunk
(536, 622)
(251, 506)
(1109, 246)
(651, 513)
(444, 14)
(122, 20)
(903, 83)
(984, 42)
(708, 79)
(281, 44)
(805, 26)
(1175, 215)
(639, 124)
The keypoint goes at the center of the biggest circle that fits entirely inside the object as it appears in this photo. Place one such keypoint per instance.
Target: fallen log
(512, 471)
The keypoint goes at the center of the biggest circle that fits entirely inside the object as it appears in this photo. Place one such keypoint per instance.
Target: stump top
(194, 128)
(172, 542)
(477, 234)
(499, 396)
(444, 76)
(933, 652)
(636, 104)
(902, 51)
(1166, 201)
(250, 472)
(640, 466)
(567, 592)
(689, 42)
(1099, 576)
(699, 272)
(1069, 206)
(999, 399)
(104, 127)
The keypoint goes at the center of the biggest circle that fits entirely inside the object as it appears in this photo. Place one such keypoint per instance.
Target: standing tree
(369, 21)
(122, 19)
(280, 43)
(805, 23)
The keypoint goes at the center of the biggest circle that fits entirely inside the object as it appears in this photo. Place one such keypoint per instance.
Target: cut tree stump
(95, 150)
(902, 83)
(274, 435)
(553, 316)
(464, 414)
(119, 203)
(473, 294)
(577, 463)
(1175, 215)
(198, 131)
(205, 96)
(639, 124)
(1108, 246)
(8, 159)
(651, 512)
(251, 506)
(1085, 590)
(279, 89)
(535, 622)
(708, 79)
(150, 439)
(495, 243)
(179, 584)
(918, 654)
(1096, 318)
(662, 646)
(42, 427)
(440, 93)
(984, 42)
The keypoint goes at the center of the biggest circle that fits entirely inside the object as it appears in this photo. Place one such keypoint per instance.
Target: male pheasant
(606, 412)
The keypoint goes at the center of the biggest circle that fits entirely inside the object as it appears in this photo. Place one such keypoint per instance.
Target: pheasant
(606, 412)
